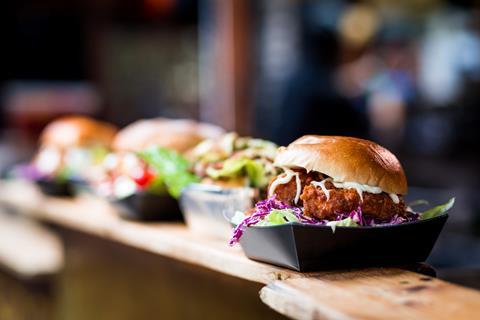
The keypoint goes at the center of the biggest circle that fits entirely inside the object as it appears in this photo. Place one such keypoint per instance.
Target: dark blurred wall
(299, 59)
(47, 43)
(403, 74)
(89, 42)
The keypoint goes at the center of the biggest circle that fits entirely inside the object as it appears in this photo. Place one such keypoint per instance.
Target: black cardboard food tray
(55, 188)
(80, 186)
(313, 248)
(145, 206)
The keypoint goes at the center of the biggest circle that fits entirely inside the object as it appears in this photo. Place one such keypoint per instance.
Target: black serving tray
(146, 206)
(312, 248)
(80, 186)
(55, 188)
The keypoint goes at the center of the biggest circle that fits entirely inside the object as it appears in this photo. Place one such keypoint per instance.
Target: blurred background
(403, 73)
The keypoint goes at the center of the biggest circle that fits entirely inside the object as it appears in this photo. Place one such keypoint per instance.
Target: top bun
(74, 131)
(346, 159)
(179, 134)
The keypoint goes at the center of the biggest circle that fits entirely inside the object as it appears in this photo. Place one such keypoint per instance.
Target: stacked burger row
(145, 167)
(316, 185)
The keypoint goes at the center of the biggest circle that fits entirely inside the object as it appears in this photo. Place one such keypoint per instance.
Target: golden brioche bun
(73, 131)
(346, 159)
(177, 134)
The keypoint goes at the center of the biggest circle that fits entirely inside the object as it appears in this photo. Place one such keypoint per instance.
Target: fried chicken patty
(379, 206)
(286, 192)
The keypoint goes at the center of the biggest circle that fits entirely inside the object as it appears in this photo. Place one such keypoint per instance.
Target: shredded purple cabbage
(264, 207)
(364, 221)
(27, 171)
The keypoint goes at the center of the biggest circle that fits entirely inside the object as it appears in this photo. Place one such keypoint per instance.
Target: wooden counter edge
(380, 293)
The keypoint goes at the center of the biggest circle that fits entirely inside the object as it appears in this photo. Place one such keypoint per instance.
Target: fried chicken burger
(72, 146)
(148, 156)
(333, 181)
(330, 176)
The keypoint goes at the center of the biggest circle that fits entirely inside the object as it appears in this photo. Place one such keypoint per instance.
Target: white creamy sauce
(289, 174)
(123, 187)
(111, 161)
(77, 158)
(48, 160)
(394, 198)
(321, 184)
(278, 181)
(299, 187)
(130, 161)
(360, 188)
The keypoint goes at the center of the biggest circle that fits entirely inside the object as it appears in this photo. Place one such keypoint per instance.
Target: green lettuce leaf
(279, 216)
(256, 147)
(240, 167)
(438, 210)
(171, 167)
(98, 154)
(274, 218)
(347, 222)
(157, 186)
(64, 174)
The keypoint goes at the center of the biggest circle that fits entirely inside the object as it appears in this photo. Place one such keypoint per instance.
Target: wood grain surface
(28, 249)
(372, 294)
(95, 216)
(379, 293)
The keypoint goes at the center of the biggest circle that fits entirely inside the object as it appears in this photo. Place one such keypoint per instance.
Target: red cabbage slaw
(264, 207)
(28, 171)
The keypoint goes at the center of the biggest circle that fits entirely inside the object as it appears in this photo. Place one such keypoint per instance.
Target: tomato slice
(142, 176)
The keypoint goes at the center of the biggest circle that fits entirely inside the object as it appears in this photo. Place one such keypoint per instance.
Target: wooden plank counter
(27, 249)
(372, 294)
(95, 216)
(361, 294)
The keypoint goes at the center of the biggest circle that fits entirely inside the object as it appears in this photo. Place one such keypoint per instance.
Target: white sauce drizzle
(279, 180)
(289, 174)
(394, 198)
(360, 188)
(321, 184)
(299, 187)
(48, 160)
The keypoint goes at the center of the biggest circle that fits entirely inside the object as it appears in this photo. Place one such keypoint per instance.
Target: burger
(148, 155)
(176, 134)
(232, 161)
(334, 181)
(233, 172)
(329, 176)
(71, 148)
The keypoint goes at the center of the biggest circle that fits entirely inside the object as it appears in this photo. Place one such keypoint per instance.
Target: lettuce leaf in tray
(271, 212)
(171, 167)
(438, 210)
(240, 166)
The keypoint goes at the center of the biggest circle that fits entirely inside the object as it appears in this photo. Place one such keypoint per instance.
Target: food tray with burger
(146, 172)
(71, 151)
(337, 203)
(233, 172)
